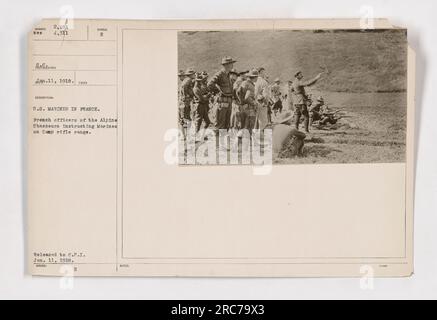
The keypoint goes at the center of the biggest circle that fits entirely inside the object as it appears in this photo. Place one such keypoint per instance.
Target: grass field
(367, 77)
(374, 131)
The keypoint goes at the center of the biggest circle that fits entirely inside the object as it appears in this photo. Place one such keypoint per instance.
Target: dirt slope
(357, 61)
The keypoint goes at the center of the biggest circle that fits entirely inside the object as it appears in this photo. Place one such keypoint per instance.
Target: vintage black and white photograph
(307, 96)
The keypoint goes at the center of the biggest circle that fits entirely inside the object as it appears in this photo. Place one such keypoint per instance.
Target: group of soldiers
(245, 100)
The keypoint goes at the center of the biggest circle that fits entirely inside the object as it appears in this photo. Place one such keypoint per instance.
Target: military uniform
(327, 116)
(249, 108)
(261, 87)
(276, 98)
(187, 96)
(300, 100)
(236, 115)
(264, 111)
(200, 106)
(221, 83)
(181, 105)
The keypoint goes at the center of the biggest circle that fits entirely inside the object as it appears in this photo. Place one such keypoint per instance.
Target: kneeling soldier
(315, 114)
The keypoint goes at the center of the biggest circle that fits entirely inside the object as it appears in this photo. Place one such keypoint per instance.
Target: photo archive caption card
(234, 148)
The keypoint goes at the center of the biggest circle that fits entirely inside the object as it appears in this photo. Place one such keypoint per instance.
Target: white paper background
(16, 19)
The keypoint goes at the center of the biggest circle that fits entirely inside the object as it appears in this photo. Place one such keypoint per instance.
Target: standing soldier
(276, 96)
(201, 103)
(187, 94)
(247, 90)
(238, 120)
(236, 105)
(211, 97)
(262, 90)
(261, 85)
(181, 76)
(263, 116)
(221, 83)
(301, 99)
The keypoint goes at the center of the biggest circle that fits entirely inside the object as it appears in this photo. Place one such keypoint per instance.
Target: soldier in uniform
(181, 76)
(263, 116)
(200, 105)
(242, 76)
(301, 98)
(247, 91)
(261, 84)
(262, 90)
(276, 97)
(187, 94)
(327, 116)
(221, 84)
(238, 114)
(236, 122)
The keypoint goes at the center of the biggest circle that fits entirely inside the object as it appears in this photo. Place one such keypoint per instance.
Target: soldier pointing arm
(301, 98)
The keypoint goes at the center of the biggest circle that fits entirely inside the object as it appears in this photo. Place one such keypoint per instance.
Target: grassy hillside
(357, 61)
